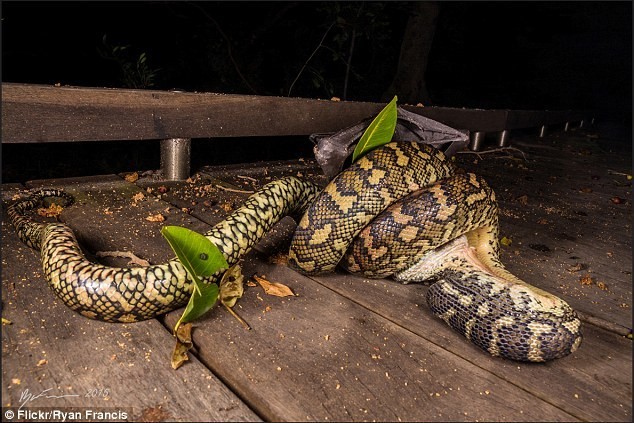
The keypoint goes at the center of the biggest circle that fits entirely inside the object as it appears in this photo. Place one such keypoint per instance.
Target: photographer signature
(27, 397)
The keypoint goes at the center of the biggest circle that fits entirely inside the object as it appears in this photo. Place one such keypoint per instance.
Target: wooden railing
(38, 113)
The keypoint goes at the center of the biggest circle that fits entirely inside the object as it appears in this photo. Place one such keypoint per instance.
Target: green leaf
(379, 132)
(199, 303)
(201, 258)
(198, 254)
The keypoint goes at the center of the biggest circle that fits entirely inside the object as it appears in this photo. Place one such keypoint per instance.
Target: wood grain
(39, 113)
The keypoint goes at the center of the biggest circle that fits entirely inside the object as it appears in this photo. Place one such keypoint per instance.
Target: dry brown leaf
(577, 268)
(51, 211)
(155, 218)
(132, 177)
(183, 345)
(137, 197)
(274, 288)
(586, 280)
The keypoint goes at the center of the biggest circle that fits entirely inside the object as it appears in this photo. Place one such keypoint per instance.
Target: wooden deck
(345, 348)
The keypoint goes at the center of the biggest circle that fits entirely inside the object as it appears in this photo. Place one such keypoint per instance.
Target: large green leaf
(201, 258)
(379, 132)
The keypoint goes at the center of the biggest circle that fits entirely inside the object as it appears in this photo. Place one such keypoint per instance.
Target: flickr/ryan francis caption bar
(71, 414)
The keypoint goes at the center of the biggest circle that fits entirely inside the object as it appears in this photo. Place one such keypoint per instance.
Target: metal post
(503, 138)
(542, 131)
(175, 158)
(477, 138)
(566, 126)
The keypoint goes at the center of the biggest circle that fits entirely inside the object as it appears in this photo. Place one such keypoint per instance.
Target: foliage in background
(135, 71)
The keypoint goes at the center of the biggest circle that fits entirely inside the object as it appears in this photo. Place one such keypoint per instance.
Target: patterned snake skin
(432, 224)
(138, 293)
(447, 232)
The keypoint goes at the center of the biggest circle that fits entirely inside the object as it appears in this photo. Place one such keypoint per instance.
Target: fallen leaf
(155, 218)
(506, 241)
(137, 197)
(132, 177)
(577, 268)
(274, 288)
(231, 287)
(586, 280)
(51, 211)
(183, 344)
(6, 321)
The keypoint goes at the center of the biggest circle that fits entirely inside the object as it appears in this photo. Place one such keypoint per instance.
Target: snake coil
(402, 210)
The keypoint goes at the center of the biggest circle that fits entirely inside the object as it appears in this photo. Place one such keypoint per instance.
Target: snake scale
(402, 210)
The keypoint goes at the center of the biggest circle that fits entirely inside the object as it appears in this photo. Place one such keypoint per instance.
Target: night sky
(528, 55)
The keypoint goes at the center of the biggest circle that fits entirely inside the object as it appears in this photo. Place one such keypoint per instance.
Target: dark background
(524, 55)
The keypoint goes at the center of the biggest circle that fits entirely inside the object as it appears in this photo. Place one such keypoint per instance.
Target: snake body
(432, 224)
(138, 293)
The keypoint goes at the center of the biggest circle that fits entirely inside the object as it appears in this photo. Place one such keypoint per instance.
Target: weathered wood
(38, 113)
(115, 366)
(346, 348)
(319, 356)
(593, 383)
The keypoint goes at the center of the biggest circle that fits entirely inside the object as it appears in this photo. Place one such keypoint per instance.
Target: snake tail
(138, 293)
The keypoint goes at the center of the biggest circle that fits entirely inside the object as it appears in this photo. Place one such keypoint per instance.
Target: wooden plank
(557, 209)
(119, 367)
(593, 383)
(600, 372)
(32, 113)
(319, 356)
(38, 113)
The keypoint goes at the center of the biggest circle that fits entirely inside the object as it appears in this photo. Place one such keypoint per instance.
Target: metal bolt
(175, 158)
(477, 138)
(503, 138)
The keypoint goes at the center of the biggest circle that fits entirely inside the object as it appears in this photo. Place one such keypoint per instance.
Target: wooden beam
(39, 113)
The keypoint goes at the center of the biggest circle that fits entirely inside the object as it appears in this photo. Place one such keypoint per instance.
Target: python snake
(138, 293)
(472, 292)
